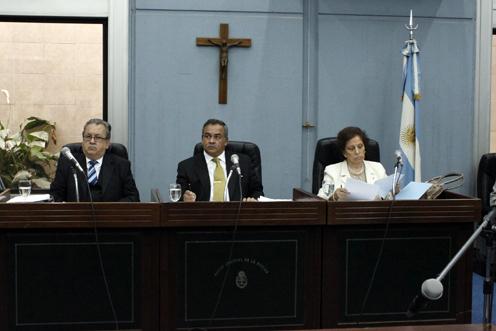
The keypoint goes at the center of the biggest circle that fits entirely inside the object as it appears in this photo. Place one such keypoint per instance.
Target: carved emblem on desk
(241, 280)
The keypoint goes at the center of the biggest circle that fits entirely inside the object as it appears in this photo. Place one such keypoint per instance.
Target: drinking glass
(174, 192)
(24, 187)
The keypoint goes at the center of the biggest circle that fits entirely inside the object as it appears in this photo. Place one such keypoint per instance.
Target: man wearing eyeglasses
(108, 177)
(205, 176)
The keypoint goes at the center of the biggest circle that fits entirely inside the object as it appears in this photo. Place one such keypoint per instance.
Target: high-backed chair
(486, 176)
(115, 148)
(328, 152)
(243, 147)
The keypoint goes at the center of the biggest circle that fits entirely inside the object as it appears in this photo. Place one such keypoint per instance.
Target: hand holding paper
(359, 190)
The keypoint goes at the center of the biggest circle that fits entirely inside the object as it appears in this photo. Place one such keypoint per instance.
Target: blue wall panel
(421, 8)
(259, 6)
(176, 88)
(360, 81)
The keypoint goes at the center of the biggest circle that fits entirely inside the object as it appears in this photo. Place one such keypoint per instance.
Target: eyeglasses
(98, 139)
(208, 136)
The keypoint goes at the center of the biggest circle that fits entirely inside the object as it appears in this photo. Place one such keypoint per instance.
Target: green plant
(24, 154)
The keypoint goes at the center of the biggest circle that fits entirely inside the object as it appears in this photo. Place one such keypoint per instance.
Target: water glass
(174, 192)
(24, 186)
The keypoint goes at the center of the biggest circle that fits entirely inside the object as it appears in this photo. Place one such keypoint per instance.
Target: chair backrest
(328, 152)
(115, 148)
(243, 147)
(486, 176)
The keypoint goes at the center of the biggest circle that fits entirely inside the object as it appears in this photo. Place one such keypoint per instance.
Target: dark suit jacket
(115, 179)
(192, 174)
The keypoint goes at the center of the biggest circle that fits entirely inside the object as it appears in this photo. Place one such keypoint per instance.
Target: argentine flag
(408, 139)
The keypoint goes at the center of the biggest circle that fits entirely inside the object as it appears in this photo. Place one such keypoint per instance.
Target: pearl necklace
(355, 172)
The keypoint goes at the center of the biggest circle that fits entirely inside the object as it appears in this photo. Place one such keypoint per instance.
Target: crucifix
(224, 43)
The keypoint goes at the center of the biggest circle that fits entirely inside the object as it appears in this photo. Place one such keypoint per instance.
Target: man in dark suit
(108, 176)
(203, 177)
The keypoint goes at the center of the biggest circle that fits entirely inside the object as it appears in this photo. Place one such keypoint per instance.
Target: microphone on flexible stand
(235, 161)
(398, 157)
(67, 153)
(398, 165)
(74, 166)
(227, 184)
(235, 166)
(431, 289)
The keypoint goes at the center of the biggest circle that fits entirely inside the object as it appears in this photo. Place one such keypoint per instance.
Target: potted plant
(24, 154)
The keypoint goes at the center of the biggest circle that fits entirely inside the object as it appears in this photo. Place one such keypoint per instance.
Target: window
(53, 68)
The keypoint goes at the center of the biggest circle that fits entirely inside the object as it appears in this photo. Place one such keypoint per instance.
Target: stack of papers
(30, 198)
(359, 190)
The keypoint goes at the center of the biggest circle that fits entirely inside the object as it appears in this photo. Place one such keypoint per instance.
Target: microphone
(235, 161)
(398, 158)
(432, 289)
(67, 153)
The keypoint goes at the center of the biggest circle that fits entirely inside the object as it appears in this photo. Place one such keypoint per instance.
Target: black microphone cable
(231, 250)
(396, 178)
(76, 166)
(100, 258)
(377, 263)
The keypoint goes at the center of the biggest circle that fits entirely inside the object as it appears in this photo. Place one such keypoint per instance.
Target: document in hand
(359, 190)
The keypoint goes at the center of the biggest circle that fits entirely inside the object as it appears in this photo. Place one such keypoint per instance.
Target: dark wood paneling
(54, 280)
(451, 209)
(450, 327)
(79, 215)
(409, 228)
(179, 248)
(323, 228)
(250, 213)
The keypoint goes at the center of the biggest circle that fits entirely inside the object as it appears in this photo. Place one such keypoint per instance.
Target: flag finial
(410, 27)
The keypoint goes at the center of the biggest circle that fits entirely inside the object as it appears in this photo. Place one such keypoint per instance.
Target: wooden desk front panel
(55, 281)
(270, 280)
(410, 255)
(79, 215)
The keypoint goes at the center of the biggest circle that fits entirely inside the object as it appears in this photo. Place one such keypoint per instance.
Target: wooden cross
(224, 43)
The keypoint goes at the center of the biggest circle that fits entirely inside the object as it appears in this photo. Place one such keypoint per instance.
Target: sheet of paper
(386, 185)
(359, 190)
(265, 199)
(413, 191)
(30, 198)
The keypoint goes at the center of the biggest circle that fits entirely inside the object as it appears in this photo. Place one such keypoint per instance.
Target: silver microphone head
(67, 153)
(235, 158)
(65, 150)
(235, 161)
(398, 157)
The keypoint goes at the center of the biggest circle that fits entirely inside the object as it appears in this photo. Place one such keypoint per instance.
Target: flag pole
(410, 27)
(409, 127)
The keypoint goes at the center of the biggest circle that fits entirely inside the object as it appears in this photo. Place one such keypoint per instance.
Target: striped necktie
(219, 181)
(92, 178)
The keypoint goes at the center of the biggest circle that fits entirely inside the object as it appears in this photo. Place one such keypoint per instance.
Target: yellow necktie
(219, 181)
